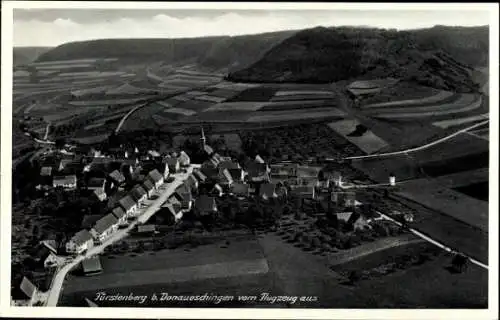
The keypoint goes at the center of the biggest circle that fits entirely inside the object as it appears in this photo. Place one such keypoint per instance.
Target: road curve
(422, 147)
(58, 279)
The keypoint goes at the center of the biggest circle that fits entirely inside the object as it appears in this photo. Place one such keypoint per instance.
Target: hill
(210, 52)
(25, 55)
(346, 53)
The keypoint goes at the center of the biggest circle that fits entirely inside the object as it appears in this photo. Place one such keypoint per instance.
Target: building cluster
(127, 183)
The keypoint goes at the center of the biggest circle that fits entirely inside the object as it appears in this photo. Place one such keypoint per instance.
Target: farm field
(479, 190)
(367, 141)
(412, 102)
(400, 91)
(320, 113)
(460, 121)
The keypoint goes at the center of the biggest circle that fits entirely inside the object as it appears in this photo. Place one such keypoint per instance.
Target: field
(366, 141)
(476, 190)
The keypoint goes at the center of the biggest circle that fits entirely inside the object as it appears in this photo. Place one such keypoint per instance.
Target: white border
(6, 143)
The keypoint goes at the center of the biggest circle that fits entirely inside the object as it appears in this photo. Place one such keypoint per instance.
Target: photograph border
(249, 313)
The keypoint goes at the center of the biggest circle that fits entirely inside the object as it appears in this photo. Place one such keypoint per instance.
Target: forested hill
(342, 53)
(210, 52)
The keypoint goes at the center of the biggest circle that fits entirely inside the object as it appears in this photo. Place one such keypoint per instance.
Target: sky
(53, 27)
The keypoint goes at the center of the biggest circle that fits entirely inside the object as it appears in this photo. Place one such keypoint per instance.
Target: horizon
(60, 26)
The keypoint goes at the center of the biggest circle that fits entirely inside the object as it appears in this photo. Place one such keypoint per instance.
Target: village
(139, 194)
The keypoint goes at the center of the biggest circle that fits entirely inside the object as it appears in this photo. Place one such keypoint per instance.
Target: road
(419, 148)
(166, 190)
(134, 109)
(434, 242)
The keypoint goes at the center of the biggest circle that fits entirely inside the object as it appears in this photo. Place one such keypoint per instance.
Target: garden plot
(90, 103)
(465, 105)
(127, 89)
(195, 93)
(459, 121)
(368, 142)
(182, 111)
(291, 116)
(283, 93)
(224, 93)
(63, 66)
(296, 105)
(242, 106)
(82, 92)
(197, 105)
(210, 98)
(238, 86)
(412, 102)
(300, 97)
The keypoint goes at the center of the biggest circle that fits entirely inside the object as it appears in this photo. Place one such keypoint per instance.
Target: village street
(152, 206)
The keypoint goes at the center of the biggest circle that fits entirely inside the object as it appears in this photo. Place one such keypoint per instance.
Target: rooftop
(127, 202)
(105, 223)
(92, 265)
(138, 192)
(205, 203)
(118, 212)
(155, 176)
(117, 176)
(81, 237)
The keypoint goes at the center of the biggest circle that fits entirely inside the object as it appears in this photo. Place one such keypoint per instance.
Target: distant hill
(344, 53)
(210, 52)
(25, 55)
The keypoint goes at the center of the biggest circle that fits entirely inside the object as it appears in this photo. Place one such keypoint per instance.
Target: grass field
(459, 121)
(368, 141)
(229, 106)
(319, 113)
(412, 102)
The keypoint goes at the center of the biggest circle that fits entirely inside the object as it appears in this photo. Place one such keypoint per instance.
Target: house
(29, 290)
(92, 266)
(284, 170)
(240, 189)
(46, 171)
(357, 221)
(185, 197)
(200, 176)
(117, 177)
(257, 172)
(156, 178)
(51, 261)
(128, 204)
(184, 159)
(259, 159)
(50, 244)
(119, 214)
(89, 220)
(237, 174)
(192, 183)
(225, 179)
(146, 229)
(67, 182)
(174, 209)
(205, 205)
(307, 174)
(173, 164)
(208, 150)
(303, 191)
(149, 187)
(96, 184)
(267, 191)
(138, 194)
(349, 199)
(154, 154)
(80, 242)
(229, 164)
(100, 195)
(104, 227)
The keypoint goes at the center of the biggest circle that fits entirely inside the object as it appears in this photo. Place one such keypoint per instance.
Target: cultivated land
(85, 100)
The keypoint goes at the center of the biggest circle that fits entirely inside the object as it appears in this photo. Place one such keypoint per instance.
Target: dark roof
(89, 220)
(172, 161)
(240, 188)
(138, 192)
(174, 208)
(256, 169)
(92, 264)
(146, 228)
(117, 176)
(105, 223)
(65, 179)
(210, 172)
(205, 203)
(127, 202)
(191, 182)
(118, 212)
(46, 171)
(148, 185)
(235, 173)
(81, 237)
(155, 176)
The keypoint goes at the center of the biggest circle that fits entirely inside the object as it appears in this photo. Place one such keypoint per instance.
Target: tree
(353, 277)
